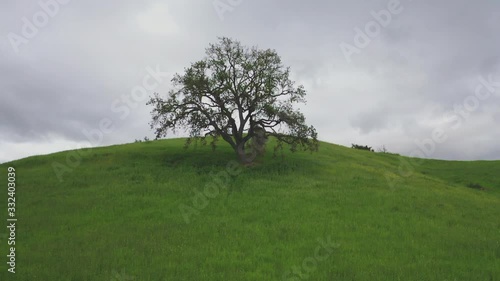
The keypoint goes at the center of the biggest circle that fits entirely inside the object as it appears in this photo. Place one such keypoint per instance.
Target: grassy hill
(153, 211)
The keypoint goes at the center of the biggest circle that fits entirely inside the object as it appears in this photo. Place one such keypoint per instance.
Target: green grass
(116, 216)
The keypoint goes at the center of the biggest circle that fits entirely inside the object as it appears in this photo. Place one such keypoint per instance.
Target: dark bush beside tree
(365, 147)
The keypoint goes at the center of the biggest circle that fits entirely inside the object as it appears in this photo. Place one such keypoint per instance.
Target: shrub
(476, 186)
(366, 147)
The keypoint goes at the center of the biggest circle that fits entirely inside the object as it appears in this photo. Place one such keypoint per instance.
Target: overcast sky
(420, 77)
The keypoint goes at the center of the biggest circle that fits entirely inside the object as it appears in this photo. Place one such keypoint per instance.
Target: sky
(421, 78)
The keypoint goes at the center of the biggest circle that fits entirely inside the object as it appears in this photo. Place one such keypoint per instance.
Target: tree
(382, 149)
(242, 95)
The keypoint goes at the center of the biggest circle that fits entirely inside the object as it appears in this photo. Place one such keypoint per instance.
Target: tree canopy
(239, 94)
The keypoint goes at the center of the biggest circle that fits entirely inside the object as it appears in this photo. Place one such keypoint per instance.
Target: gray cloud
(394, 92)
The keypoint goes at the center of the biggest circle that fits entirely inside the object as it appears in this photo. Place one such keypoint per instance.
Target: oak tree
(238, 94)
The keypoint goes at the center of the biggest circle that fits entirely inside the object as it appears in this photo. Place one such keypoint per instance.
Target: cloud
(394, 92)
(157, 20)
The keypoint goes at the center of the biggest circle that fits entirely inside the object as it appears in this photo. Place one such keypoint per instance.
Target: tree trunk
(245, 156)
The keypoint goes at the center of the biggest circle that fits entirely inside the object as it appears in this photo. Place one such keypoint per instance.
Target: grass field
(153, 211)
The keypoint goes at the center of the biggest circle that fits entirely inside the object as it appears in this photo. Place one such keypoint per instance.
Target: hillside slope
(153, 211)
